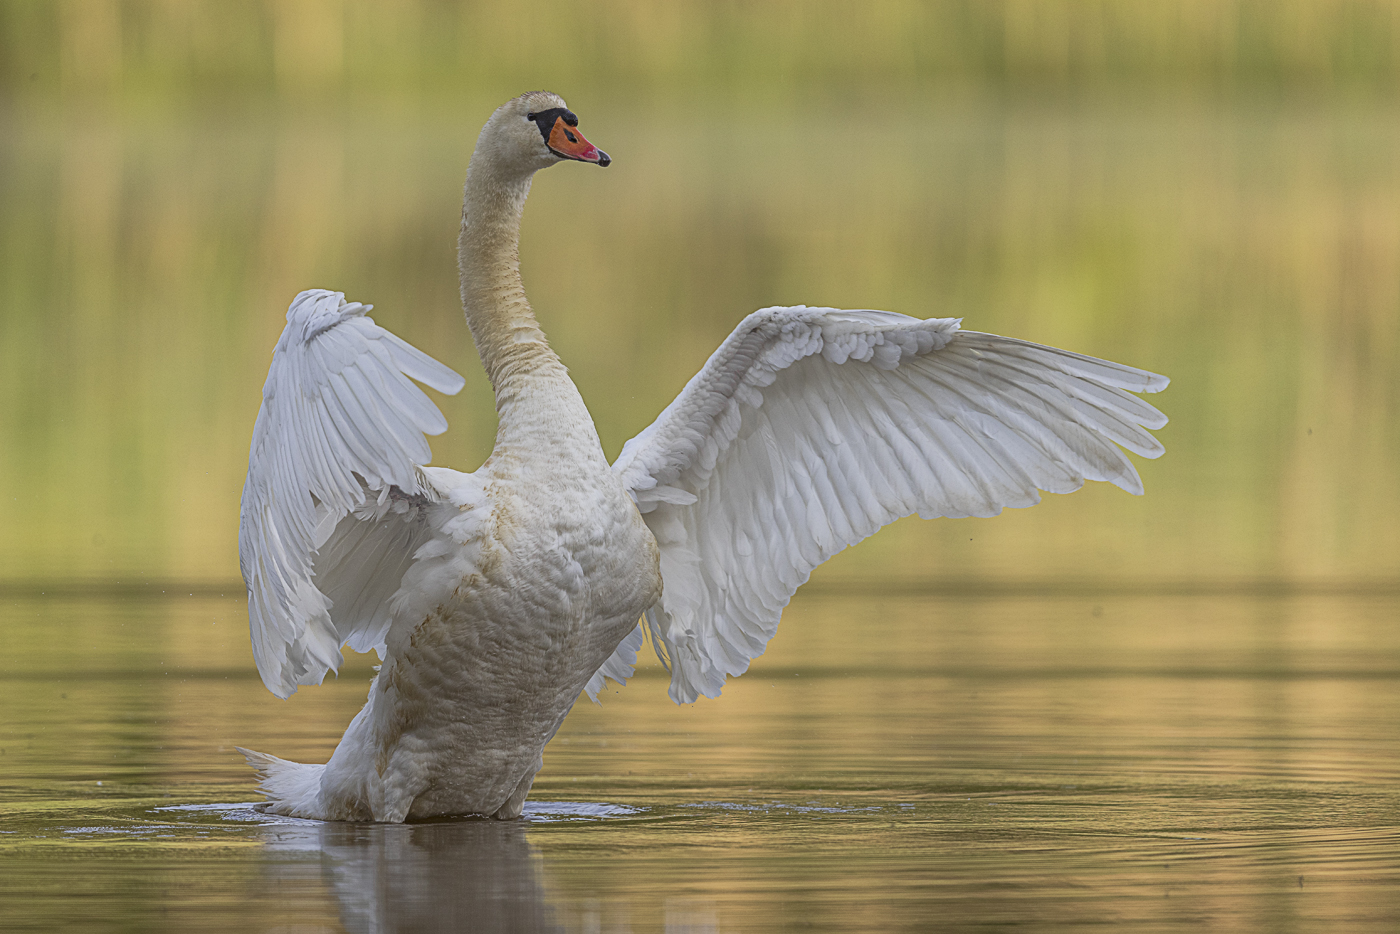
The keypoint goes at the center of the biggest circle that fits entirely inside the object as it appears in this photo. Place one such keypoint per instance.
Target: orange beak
(568, 142)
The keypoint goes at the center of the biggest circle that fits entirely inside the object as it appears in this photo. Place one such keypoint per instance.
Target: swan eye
(530, 117)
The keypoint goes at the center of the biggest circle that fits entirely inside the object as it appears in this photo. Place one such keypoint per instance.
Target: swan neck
(503, 325)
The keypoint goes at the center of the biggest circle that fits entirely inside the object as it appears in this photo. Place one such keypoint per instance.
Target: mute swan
(494, 598)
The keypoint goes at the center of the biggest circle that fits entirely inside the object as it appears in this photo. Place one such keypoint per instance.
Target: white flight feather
(810, 428)
(331, 515)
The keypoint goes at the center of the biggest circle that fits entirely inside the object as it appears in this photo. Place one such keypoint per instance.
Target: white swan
(494, 598)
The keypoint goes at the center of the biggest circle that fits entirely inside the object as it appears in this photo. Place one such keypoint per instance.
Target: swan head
(532, 132)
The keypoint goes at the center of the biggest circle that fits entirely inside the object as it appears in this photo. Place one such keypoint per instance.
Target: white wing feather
(332, 509)
(620, 666)
(810, 428)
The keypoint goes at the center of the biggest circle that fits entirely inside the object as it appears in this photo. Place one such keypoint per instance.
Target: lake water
(909, 762)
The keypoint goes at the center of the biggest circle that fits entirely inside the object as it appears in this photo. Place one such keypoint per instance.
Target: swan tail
(293, 789)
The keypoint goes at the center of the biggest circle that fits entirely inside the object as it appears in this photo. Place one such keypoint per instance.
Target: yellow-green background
(1206, 189)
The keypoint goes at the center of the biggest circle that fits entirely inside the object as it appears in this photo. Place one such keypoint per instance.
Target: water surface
(914, 762)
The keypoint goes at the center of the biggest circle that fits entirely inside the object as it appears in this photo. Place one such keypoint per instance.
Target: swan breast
(523, 593)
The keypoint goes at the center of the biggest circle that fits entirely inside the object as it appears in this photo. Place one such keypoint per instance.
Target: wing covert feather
(811, 428)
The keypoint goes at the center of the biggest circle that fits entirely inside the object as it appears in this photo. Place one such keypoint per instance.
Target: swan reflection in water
(464, 875)
(451, 875)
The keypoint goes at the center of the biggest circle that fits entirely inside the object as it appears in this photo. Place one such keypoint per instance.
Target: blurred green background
(1205, 189)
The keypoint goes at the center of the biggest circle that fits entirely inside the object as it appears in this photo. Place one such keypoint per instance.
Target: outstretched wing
(810, 428)
(333, 507)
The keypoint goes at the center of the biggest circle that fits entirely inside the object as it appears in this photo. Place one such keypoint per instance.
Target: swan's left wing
(333, 510)
(810, 428)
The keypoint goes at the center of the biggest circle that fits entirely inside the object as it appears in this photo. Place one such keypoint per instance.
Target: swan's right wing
(810, 428)
(334, 507)
(620, 666)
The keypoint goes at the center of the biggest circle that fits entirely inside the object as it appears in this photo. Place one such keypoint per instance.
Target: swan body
(496, 598)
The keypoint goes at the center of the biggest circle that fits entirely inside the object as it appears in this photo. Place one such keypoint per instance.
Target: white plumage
(811, 428)
(340, 434)
(495, 597)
